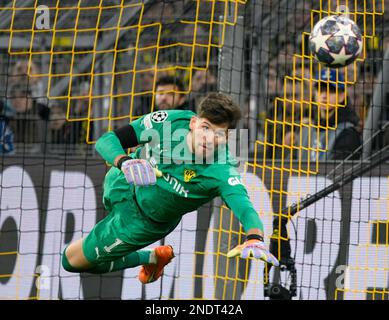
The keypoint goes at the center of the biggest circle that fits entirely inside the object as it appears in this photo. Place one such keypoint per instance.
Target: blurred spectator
(289, 110)
(278, 135)
(27, 98)
(19, 95)
(341, 142)
(22, 75)
(142, 103)
(203, 81)
(60, 130)
(6, 134)
(160, 11)
(167, 94)
(80, 111)
(26, 124)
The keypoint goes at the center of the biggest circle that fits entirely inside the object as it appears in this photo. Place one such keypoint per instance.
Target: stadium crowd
(28, 118)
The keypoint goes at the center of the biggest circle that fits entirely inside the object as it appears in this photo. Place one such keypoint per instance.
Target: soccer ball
(336, 41)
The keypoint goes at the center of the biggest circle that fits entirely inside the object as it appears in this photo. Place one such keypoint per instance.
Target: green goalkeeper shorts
(126, 228)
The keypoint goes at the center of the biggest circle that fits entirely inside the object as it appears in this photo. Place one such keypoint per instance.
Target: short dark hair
(170, 80)
(220, 109)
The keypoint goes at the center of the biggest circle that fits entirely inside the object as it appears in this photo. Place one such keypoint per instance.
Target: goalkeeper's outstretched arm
(112, 145)
(237, 199)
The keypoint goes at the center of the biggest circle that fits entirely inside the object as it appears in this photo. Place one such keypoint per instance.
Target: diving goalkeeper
(183, 163)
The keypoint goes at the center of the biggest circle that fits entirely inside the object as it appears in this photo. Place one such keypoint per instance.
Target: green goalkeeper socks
(131, 260)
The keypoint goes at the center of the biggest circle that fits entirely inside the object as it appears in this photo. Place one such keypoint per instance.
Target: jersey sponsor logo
(147, 122)
(233, 181)
(177, 187)
(159, 116)
(189, 175)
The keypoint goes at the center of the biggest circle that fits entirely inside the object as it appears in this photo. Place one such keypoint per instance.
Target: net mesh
(76, 69)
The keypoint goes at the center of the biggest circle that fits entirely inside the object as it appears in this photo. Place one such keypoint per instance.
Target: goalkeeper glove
(139, 172)
(253, 247)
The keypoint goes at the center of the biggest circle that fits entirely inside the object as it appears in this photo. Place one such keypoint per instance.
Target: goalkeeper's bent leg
(117, 241)
(131, 260)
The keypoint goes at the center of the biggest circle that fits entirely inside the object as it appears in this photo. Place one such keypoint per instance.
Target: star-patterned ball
(336, 41)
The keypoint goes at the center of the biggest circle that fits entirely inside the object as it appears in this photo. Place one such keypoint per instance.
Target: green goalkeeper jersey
(187, 183)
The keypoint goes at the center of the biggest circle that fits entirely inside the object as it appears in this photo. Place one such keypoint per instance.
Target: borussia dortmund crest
(189, 174)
